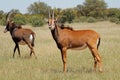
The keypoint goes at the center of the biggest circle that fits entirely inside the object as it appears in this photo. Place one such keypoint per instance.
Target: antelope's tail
(98, 43)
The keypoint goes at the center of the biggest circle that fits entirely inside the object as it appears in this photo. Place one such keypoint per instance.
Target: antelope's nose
(5, 30)
(49, 26)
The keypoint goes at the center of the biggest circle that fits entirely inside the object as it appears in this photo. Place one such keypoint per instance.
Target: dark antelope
(20, 35)
(67, 38)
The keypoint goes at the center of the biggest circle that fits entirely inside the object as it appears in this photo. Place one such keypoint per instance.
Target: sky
(22, 5)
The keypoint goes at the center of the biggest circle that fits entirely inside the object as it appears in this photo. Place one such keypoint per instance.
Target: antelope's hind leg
(31, 48)
(97, 58)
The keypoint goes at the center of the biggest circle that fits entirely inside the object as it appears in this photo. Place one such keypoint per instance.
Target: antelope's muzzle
(5, 30)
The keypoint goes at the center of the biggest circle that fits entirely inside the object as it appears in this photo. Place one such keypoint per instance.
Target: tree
(67, 15)
(39, 8)
(57, 12)
(94, 8)
(2, 17)
(15, 11)
(114, 12)
(20, 19)
(80, 11)
(1, 14)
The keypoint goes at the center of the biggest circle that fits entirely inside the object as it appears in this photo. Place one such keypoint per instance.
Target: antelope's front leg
(16, 47)
(14, 50)
(63, 54)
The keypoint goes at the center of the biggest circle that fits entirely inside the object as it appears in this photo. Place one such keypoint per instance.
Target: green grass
(48, 65)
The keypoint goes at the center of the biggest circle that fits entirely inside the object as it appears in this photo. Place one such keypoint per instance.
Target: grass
(48, 66)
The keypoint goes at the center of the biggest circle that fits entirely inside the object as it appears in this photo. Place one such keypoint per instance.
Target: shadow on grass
(81, 70)
(72, 70)
(23, 57)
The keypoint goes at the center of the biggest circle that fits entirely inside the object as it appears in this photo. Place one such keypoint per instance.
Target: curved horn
(8, 16)
(49, 14)
(53, 15)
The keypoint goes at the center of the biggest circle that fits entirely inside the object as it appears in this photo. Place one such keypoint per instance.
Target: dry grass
(48, 66)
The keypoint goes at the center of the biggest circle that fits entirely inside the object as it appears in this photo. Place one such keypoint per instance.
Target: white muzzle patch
(52, 27)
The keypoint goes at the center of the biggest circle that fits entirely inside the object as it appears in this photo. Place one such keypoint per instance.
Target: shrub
(20, 19)
(100, 19)
(114, 19)
(83, 19)
(76, 20)
(91, 20)
(63, 19)
(2, 21)
(37, 21)
(118, 22)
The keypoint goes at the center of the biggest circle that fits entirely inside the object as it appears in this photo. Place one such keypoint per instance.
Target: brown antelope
(20, 35)
(66, 38)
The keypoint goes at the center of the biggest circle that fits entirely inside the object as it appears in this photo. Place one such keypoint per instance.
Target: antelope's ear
(12, 21)
(46, 20)
(56, 20)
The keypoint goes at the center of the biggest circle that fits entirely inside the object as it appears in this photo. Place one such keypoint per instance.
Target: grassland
(48, 65)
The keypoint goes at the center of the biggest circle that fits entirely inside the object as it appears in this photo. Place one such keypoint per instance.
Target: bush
(118, 22)
(76, 20)
(114, 20)
(37, 21)
(83, 19)
(100, 19)
(20, 19)
(80, 19)
(63, 19)
(2, 21)
(91, 20)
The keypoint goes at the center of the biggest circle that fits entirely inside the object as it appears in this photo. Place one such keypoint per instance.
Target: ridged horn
(53, 15)
(49, 14)
(8, 16)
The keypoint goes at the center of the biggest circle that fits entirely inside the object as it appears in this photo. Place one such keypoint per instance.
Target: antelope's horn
(8, 16)
(49, 14)
(53, 15)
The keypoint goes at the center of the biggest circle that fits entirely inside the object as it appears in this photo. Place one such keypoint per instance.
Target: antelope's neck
(56, 33)
(13, 30)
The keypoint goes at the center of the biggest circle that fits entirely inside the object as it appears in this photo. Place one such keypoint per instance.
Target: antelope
(67, 38)
(19, 35)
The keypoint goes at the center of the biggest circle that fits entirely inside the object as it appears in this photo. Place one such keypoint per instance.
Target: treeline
(35, 20)
(90, 11)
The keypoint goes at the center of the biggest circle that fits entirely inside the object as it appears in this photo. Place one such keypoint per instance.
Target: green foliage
(2, 21)
(80, 19)
(101, 19)
(20, 19)
(37, 21)
(2, 18)
(39, 8)
(79, 8)
(117, 22)
(76, 20)
(114, 12)
(114, 20)
(93, 8)
(83, 18)
(67, 16)
(89, 11)
(91, 20)
(63, 19)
